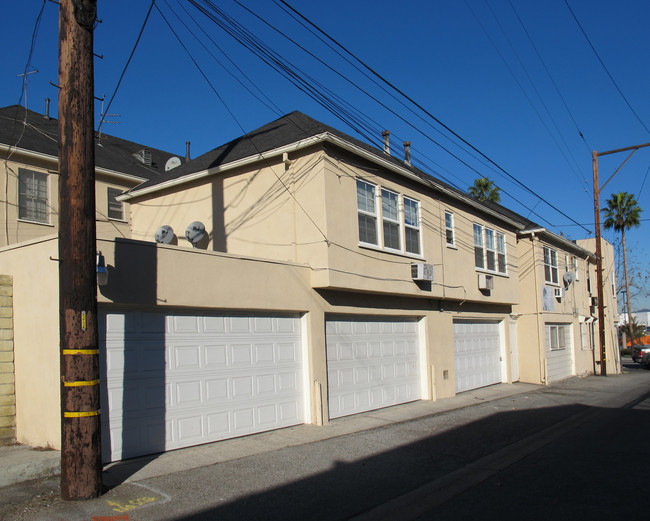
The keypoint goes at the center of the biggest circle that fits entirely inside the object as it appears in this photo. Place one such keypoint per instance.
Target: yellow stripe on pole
(81, 383)
(80, 414)
(80, 351)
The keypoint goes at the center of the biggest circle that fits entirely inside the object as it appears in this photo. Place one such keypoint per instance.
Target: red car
(638, 351)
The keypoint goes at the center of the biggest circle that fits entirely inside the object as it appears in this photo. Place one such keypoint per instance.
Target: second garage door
(477, 353)
(173, 380)
(371, 363)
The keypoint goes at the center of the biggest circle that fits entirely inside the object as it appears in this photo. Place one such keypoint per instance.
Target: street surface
(572, 450)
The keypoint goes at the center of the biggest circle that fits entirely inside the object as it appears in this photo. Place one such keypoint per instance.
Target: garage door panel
(372, 363)
(477, 353)
(201, 378)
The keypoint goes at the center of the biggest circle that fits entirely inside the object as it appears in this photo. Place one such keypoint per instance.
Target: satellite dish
(568, 278)
(172, 163)
(164, 234)
(195, 232)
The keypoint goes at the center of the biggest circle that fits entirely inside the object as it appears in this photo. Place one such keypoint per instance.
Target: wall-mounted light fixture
(102, 272)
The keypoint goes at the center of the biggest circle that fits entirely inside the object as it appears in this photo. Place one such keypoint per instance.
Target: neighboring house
(29, 196)
(559, 307)
(332, 278)
(28, 221)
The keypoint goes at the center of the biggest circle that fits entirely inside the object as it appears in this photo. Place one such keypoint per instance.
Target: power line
(605, 67)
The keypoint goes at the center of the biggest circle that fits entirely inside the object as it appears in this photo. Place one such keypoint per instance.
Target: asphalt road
(570, 449)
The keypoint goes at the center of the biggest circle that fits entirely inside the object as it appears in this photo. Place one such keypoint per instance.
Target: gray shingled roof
(41, 134)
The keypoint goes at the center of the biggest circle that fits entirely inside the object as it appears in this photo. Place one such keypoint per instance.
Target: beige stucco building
(324, 278)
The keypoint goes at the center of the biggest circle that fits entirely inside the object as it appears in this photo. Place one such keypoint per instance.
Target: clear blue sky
(474, 65)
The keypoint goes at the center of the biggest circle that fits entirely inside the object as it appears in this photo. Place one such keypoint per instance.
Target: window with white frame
(399, 216)
(412, 226)
(489, 249)
(33, 196)
(550, 265)
(449, 228)
(367, 210)
(574, 261)
(557, 336)
(390, 219)
(115, 208)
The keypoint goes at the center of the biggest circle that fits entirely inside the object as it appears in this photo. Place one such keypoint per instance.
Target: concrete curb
(22, 463)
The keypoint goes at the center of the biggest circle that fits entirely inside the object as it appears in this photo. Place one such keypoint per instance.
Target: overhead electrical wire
(609, 74)
(428, 113)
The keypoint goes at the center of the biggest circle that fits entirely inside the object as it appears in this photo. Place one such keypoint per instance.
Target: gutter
(557, 238)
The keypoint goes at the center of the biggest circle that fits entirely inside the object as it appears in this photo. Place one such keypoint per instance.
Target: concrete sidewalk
(21, 463)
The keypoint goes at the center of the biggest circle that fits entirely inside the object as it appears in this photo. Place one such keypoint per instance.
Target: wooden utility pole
(81, 463)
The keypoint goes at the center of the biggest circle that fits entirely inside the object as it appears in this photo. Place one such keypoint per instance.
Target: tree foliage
(484, 189)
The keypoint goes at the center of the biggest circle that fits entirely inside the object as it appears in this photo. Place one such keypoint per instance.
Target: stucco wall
(36, 340)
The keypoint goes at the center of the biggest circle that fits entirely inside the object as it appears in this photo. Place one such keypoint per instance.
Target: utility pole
(599, 259)
(81, 463)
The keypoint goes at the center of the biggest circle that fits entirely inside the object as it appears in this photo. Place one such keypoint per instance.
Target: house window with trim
(33, 203)
(412, 225)
(115, 207)
(449, 228)
(479, 249)
(367, 210)
(550, 265)
(574, 262)
(502, 266)
(390, 218)
(557, 336)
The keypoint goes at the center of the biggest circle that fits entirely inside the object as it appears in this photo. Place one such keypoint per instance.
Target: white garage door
(477, 352)
(175, 380)
(371, 363)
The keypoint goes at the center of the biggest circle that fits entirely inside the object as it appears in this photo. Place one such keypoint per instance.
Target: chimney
(47, 108)
(187, 150)
(386, 135)
(407, 152)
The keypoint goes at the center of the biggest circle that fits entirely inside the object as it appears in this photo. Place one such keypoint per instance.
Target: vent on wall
(144, 156)
(485, 281)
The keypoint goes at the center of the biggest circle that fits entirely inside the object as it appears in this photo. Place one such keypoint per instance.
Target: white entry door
(173, 380)
(477, 352)
(371, 363)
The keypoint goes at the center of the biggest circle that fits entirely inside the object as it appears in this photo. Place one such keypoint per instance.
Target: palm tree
(622, 213)
(485, 190)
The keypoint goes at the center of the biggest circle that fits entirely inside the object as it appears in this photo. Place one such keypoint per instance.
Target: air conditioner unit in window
(485, 281)
(422, 271)
(558, 292)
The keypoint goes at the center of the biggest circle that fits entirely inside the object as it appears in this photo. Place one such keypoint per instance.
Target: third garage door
(371, 363)
(477, 353)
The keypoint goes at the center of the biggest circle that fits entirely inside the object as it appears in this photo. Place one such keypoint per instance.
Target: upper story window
(574, 262)
(33, 196)
(489, 249)
(550, 265)
(390, 218)
(115, 207)
(367, 209)
(449, 228)
(399, 216)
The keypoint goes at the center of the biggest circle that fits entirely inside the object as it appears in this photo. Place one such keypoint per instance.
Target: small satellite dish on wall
(172, 163)
(568, 278)
(164, 234)
(195, 232)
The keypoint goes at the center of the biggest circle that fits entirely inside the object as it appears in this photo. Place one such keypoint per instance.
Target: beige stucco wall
(36, 339)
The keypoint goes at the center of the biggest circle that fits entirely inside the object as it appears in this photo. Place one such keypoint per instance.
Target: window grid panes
(550, 265)
(390, 217)
(115, 208)
(412, 225)
(490, 252)
(501, 253)
(557, 336)
(367, 212)
(479, 250)
(33, 196)
(449, 228)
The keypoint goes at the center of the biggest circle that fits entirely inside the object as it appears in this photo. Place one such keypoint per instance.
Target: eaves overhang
(549, 236)
(55, 159)
(325, 137)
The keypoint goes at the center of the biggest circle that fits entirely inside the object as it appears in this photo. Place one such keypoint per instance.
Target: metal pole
(81, 464)
(599, 270)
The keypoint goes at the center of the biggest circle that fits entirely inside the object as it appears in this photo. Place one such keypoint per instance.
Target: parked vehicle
(646, 360)
(639, 351)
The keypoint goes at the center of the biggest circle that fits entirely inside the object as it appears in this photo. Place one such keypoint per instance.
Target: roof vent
(407, 152)
(144, 156)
